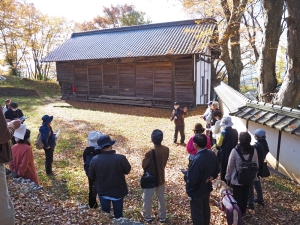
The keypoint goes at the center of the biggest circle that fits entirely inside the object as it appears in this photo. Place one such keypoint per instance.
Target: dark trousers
(179, 129)
(117, 205)
(240, 194)
(92, 196)
(223, 171)
(200, 210)
(49, 159)
(257, 186)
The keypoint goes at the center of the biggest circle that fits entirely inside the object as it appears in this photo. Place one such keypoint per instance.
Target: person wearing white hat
(227, 141)
(88, 154)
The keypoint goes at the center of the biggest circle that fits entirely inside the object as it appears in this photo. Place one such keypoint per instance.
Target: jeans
(223, 172)
(200, 210)
(240, 194)
(117, 206)
(179, 129)
(257, 186)
(7, 212)
(49, 160)
(147, 201)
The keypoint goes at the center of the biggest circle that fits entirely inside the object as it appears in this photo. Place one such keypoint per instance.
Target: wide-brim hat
(47, 119)
(93, 137)
(210, 102)
(226, 122)
(199, 128)
(104, 141)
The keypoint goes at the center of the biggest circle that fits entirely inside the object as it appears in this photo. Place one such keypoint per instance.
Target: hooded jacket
(48, 137)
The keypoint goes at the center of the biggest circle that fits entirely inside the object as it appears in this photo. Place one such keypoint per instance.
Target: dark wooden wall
(161, 80)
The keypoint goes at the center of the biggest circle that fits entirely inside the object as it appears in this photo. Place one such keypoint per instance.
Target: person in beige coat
(162, 156)
(7, 212)
(240, 192)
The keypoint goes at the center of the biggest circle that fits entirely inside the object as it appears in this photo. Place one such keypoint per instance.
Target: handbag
(148, 180)
(264, 172)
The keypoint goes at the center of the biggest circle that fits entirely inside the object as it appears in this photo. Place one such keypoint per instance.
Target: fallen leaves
(63, 197)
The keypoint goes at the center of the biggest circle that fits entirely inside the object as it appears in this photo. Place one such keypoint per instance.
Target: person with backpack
(242, 169)
(49, 142)
(262, 149)
(88, 155)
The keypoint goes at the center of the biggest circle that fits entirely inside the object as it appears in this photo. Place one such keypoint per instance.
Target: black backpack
(247, 170)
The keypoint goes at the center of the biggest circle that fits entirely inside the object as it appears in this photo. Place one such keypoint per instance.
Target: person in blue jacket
(49, 141)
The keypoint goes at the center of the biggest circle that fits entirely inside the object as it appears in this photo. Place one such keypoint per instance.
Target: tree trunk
(289, 93)
(266, 64)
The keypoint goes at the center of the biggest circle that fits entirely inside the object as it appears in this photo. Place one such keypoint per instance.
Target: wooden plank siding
(80, 71)
(184, 81)
(161, 82)
(126, 74)
(95, 79)
(110, 79)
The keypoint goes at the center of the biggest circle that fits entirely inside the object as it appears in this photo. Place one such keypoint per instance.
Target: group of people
(21, 162)
(216, 151)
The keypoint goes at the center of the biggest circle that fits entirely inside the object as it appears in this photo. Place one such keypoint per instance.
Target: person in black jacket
(178, 117)
(227, 141)
(13, 112)
(109, 170)
(88, 155)
(203, 169)
(49, 141)
(262, 149)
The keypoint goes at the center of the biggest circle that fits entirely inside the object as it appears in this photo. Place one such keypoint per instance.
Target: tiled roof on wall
(172, 38)
(275, 116)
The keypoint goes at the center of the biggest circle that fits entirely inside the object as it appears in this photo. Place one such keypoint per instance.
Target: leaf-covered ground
(63, 197)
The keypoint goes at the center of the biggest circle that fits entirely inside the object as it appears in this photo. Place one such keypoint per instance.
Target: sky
(85, 10)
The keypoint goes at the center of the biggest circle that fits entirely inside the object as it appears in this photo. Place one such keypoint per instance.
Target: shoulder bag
(148, 180)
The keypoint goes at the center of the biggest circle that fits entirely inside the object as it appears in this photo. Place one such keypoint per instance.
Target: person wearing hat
(108, 169)
(13, 112)
(227, 141)
(6, 107)
(7, 212)
(88, 155)
(178, 117)
(207, 111)
(23, 161)
(240, 191)
(262, 149)
(198, 129)
(49, 141)
(161, 156)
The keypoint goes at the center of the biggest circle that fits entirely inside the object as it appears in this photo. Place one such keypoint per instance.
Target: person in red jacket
(23, 161)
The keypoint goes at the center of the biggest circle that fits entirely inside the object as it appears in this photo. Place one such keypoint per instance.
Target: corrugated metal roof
(233, 99)
(278, 117)
(173, 38)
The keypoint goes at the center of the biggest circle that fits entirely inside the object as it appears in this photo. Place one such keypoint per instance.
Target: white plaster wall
(203, 69)
(289, 157)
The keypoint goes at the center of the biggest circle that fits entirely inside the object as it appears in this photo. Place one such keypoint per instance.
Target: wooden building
(150, 65)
